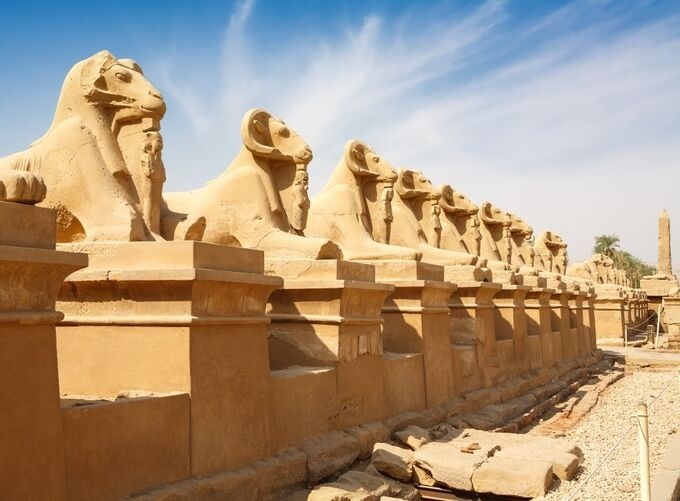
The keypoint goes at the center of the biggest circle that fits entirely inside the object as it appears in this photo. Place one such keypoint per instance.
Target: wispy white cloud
(571, 121)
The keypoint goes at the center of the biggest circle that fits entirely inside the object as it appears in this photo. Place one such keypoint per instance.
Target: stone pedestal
(473, 335)
(657, 288)
(328, 313)
(511, 330)
(31, 273)
(176, 317)
(539, 327)
(671, 319)
(416, 317)
(609, 315)
(559, 319)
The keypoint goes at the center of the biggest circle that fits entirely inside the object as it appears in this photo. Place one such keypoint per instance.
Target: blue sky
(566, 112)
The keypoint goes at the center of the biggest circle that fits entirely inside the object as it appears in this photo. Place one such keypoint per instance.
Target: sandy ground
(618, 478)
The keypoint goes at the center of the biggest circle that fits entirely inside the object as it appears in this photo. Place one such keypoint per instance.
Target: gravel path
(597, 432)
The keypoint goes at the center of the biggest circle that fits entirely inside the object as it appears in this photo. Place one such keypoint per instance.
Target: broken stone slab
(447, 465)
(368, 435)
(565, 465)
(351, 486)
(393, 461)
(527, 478)
(422, 477)
(400, 490)
(413, 436)
(531, 441)
(329, 453)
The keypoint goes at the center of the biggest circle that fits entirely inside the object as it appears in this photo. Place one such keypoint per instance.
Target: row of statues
(101, 161)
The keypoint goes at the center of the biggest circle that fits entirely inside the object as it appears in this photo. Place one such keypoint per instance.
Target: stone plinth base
(175, 316)
(31, 272)
(416, 317)
(328, 313)
(658, 287)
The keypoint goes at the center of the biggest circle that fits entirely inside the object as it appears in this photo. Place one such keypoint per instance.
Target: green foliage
(607, 245)
(634, 267)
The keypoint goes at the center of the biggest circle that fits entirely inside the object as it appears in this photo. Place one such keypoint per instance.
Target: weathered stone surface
(564, 464)
(352, 486)
(413, 436)
(368, 434)
(329, 453)
(527, 478)
(281, 474)
(422, 476)
(402, 490)
(395, 462)
(239, 484)
(401, 421)
(446, 464)
(441, 430)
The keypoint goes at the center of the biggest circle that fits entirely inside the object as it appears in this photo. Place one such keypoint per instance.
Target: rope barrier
(618, 442)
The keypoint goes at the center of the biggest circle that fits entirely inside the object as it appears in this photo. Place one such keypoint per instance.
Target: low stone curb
(666, 482)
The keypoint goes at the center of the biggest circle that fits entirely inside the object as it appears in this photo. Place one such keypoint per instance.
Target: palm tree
(607, 245)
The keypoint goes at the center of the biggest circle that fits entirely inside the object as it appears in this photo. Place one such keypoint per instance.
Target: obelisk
(664, 266)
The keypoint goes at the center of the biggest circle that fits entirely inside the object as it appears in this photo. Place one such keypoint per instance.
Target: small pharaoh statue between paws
(153, 177)
(507, 246)
(472, 226)
(436, 225)
(301, 203)
(386, 215)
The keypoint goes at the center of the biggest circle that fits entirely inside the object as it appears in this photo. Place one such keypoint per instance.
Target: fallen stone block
(565, 464)
(526, 478)
(446, 464)
(401, 490)
(422, 477)
(395, 462)
(351, 486)
(367, 435)
(329, 453)
(413, 436)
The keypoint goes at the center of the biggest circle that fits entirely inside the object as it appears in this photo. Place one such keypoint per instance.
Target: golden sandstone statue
(355, 208)
(415, 219)
(80, 157)
(260, 199)
(22, 187)
(460, 224)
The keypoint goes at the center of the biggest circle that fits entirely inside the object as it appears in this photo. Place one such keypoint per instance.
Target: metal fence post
(643, 435)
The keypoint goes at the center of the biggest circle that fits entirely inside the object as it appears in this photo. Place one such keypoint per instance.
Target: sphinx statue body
(260, 201)
(553, 253)
(460, 223)
(522, 252)
(354, 209)
(496, 244)
(101, 157)
(81, 157)
(417, 221)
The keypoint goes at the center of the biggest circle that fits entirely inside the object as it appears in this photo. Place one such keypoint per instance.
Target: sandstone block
(329, 453)
(395, 462)
(352, 486)
(241, 483)
(401, 490)
(401, 421)
(281, 474)
(367, 435)
(446, 464)
(441, 430)
(564, 464)
(413, 436)
(528, 478)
